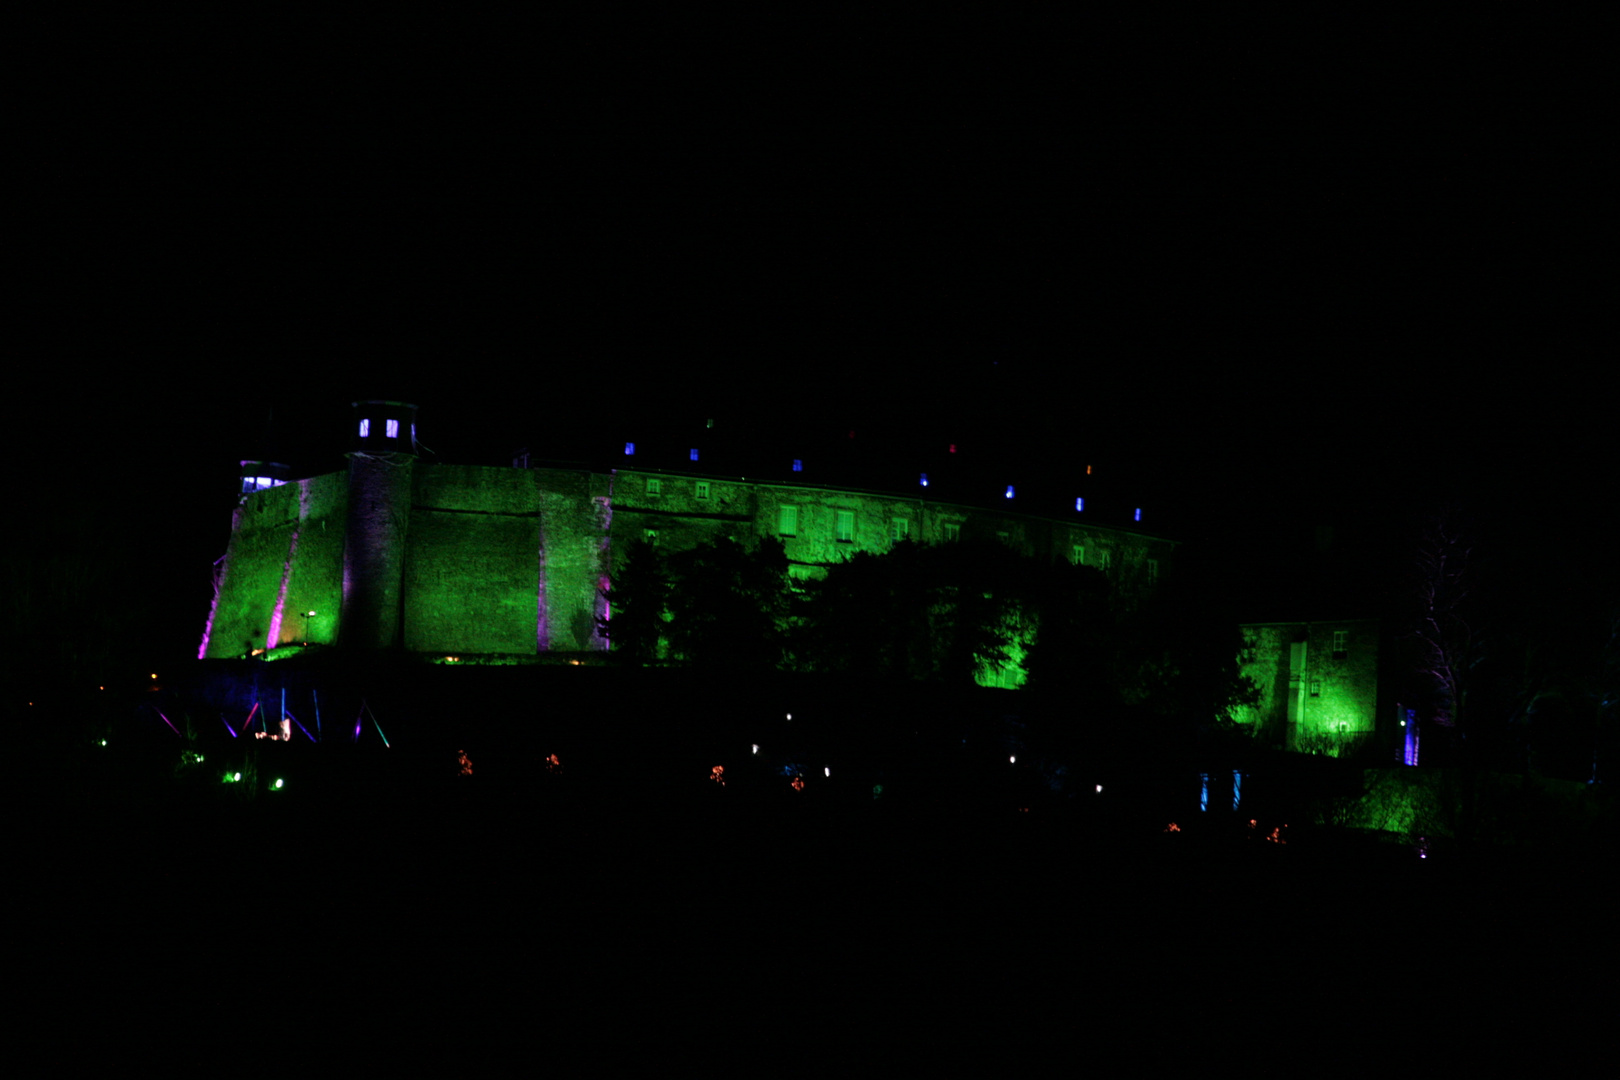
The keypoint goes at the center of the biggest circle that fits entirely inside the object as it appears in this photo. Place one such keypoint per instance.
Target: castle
(466, 560)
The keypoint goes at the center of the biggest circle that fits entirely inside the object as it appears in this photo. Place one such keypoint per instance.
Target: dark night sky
(1278, 269)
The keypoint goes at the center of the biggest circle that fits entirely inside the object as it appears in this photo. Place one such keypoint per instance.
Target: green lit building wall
(512, 561)
(1316, 696)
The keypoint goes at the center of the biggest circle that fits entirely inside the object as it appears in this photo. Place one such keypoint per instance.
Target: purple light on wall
(629, 449)
(1410, 755)
(542, 629)
(228, 727)
(274, 637)
(213, 608)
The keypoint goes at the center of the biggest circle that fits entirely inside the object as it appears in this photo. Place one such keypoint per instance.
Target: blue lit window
(1009, 491)
(1079, 504)
(629, 448)
(924, 479)
(365, 429)
(693, 454)
(1138, 513)
(798, 466)
(392, 429)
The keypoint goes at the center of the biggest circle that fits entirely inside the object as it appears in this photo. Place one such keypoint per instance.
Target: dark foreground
(507, 925)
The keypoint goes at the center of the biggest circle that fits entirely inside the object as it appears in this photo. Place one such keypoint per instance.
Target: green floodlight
(103, 742)
(277, 785)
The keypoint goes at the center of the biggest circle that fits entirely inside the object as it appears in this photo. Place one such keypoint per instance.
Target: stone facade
(1318, 684)
(483, 560)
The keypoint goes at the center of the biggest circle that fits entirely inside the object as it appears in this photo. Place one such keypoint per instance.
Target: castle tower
(381, 457)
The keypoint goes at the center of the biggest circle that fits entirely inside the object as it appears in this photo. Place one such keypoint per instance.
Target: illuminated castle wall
(1318, 683)
(462, 559)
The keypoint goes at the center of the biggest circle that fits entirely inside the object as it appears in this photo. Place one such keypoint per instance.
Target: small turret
(258, 475)
(384, 427)
(381, 456)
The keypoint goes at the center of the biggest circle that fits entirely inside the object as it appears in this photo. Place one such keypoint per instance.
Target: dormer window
(392, 429)
(703, 489)
(365, 429)
(655, 488)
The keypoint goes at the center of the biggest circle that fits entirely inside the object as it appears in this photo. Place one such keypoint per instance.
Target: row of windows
(390, 429)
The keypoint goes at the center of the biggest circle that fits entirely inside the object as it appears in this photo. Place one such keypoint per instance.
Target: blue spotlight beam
(301, 727)
(378, 726)
(166, 719)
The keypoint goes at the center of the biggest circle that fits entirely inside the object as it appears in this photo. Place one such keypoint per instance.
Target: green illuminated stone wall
(262, 530)
(684, 511)
(486, 560)
(576, 520)
(315, 582)
(472, 561)
(286, 552)
(1313, 700)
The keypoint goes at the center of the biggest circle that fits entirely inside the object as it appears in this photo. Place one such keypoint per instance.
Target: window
(703, 489)
(693, 454)
(953, 531)
(844, 526)
(787, 520)
(651, 536)
(1153, 571)
(1316, 688)
(1341, 644)
(629, 449)
(391, 429)
(1079, 554)
(1107, 559)
(655, 488)
(899, 529)
(798, 465)
(365, 429)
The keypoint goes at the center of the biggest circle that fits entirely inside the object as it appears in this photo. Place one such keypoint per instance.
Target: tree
(638, 602)
(729, 605)
(1445, 629)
